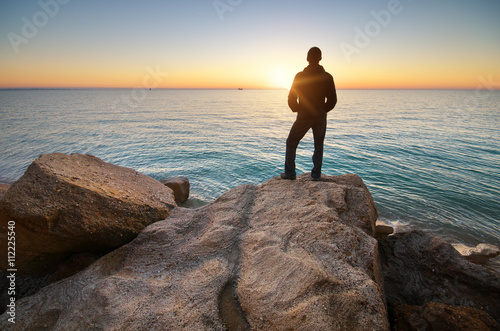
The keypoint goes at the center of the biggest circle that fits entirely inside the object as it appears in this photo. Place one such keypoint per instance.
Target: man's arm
(331, 95)
(293, 97)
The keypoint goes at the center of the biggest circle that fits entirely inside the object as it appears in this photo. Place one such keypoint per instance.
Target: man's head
(314, 55)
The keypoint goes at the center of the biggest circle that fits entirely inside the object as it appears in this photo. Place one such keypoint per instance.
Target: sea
(430, 158)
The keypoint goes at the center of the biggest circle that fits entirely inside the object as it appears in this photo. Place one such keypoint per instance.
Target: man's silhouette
(312, 96)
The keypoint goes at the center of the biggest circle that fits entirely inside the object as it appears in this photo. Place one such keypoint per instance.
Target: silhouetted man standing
(312, 96)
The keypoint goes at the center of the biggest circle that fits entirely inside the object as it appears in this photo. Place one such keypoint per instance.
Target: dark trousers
(297, 132)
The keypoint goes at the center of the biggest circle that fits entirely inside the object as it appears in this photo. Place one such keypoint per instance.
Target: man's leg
(297, 132)
(319, 132)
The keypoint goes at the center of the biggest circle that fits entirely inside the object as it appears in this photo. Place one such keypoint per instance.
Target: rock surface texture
(442, 317)
(3, 189)
(284, 255)
(66, 204)
(427, 280)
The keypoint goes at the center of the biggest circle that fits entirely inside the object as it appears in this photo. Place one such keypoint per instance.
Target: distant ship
(240, 89)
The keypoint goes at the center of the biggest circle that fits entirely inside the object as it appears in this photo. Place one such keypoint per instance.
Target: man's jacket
(313, 93)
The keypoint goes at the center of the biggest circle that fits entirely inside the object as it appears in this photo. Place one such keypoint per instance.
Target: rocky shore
(102, 247)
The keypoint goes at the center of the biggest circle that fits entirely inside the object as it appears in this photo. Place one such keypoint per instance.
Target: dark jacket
(312, 93)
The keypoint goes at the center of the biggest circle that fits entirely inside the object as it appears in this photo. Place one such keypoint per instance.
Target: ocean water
(431, 159)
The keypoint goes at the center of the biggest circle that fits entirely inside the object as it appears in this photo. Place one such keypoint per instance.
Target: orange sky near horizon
(365, 76)
(278, 77)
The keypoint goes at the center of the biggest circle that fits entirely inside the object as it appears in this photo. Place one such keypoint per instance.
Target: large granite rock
(425, 272)
(67, 204)
(284, 255)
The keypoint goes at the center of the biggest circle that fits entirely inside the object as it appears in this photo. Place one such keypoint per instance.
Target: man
(312, 96)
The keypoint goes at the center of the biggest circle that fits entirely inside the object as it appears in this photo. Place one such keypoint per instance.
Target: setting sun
(281, 78)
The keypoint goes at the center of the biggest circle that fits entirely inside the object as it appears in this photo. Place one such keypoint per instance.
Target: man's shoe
(315, 179)
(285, 176)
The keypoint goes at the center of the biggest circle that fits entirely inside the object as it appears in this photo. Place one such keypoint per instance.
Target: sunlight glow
(281, 78)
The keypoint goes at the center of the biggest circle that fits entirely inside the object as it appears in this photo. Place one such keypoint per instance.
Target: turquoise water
(430, 158)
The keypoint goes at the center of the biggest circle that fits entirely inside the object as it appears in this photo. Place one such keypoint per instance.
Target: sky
(375, 44)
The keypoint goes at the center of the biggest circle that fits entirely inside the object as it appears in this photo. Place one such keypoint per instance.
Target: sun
(280, 78)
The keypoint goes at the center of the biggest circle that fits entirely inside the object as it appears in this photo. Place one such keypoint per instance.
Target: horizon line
(230, 88)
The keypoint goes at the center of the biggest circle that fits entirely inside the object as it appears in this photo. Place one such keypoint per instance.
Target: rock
(382, 229)
(180, 186)
(282, 255)
(480, 254)
(437, 316)
(419, 268)
(3, 189)
(73, 204)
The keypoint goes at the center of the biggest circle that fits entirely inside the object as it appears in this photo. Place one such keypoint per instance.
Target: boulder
(420, 268)
(279, 256)
(180, 186)
(382, 229)
(66, 204)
